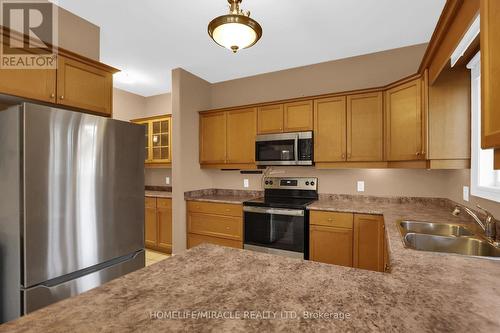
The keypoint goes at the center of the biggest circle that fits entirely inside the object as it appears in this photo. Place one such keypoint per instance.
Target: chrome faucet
(489, 225)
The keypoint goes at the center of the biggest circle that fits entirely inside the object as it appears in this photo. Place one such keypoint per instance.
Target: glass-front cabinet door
(158, 143)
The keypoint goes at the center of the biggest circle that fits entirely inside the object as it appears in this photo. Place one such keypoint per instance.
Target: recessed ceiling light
(236, 30)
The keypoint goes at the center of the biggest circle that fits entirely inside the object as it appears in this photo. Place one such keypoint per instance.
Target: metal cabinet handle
(417, 153)
(62, 97)
(52, 95)
(343, 156)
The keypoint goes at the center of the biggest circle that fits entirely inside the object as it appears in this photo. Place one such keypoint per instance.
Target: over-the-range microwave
(284, 149)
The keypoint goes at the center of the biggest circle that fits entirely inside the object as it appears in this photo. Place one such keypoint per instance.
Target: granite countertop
(425, 292)
(158, 191)
(222, 196)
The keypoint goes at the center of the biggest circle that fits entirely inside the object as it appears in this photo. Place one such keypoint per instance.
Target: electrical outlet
(361, 186)
(466, 193)
(246, 183)
(167, 180)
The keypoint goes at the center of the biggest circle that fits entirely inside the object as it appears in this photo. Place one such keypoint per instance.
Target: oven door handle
(274, 211)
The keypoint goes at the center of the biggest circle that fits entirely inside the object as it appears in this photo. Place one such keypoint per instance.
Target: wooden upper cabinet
(158, 135)
(213, 138)
(403, 107)
(330, 129)
(365, 127)
(369, 242)
(270, 119)
(298, 116)
(37, 84)
(241, 131)
(83, 86)
(490, 73)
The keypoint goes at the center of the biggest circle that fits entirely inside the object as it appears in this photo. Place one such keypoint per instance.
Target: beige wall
(189, 95)
(128, 106)
(78, 35)
(457, 179)
(384, 182)
(366, 71)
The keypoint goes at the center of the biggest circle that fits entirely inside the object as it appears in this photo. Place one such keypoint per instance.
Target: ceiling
(149, 38)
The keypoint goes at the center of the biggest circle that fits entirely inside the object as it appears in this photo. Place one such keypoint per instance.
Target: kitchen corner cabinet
(403, 119)
(345, 239)
(227, 138)
(158, 140)
(158, 224)
(369, 242)
(84, 86)
(490, 73)
(214, 223)
(288, 117)
(77, 83)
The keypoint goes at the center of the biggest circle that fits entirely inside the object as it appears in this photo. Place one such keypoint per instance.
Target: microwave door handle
(296, 149)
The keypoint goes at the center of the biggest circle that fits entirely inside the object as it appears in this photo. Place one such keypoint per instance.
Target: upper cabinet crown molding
(455, 20)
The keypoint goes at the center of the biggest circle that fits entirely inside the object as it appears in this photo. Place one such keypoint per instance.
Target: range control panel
(289, 183)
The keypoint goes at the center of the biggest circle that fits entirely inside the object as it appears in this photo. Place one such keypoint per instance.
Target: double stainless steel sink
(446, 237)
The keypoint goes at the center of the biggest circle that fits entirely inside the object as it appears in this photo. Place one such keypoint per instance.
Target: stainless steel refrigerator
(71, 204)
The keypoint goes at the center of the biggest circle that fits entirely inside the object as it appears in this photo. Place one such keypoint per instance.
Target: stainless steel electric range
(279, 222)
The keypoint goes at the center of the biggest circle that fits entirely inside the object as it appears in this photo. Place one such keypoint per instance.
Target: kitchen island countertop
(424, 292)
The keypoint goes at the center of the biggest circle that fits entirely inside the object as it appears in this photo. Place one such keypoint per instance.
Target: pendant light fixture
(236, 30)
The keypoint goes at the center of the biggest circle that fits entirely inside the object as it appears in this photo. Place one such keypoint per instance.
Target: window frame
(477, 190)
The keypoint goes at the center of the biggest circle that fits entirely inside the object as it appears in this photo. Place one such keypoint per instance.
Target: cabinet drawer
(215, 208)
(150, 202)
(195, 240)
(164, 203)
(216, 225)
(331, 219)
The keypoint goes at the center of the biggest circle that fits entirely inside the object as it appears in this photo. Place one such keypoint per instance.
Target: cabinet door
(270, 119)
(37, 84)
(369, 239)
(330, 129)
(195, 240)
(213, 138)
(164, 216)
(241, 132)
(83, 86)
(365, 127)
(298, 116)
(490, 73)
(150, 223)
(161, 133)
(331, 245)
(404, 122)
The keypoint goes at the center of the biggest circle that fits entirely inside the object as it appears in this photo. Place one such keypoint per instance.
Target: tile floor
(153, 257)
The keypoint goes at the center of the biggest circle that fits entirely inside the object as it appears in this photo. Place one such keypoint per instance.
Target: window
(485, 182)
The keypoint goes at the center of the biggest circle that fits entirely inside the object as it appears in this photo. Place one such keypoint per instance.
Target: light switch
(167, 180)
(361, 186)
(246, 183)
(466, 193)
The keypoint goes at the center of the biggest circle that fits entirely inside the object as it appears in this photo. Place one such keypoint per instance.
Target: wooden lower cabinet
(331, 245)
(195, 240)
(214, 223)
(346, 239)
(369, 236)
(158, 224)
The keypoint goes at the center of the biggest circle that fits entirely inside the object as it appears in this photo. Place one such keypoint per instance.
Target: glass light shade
(234, 32)
(234, 35)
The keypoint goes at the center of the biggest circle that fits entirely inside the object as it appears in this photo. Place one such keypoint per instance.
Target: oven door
(277, 149)
(275, 230)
